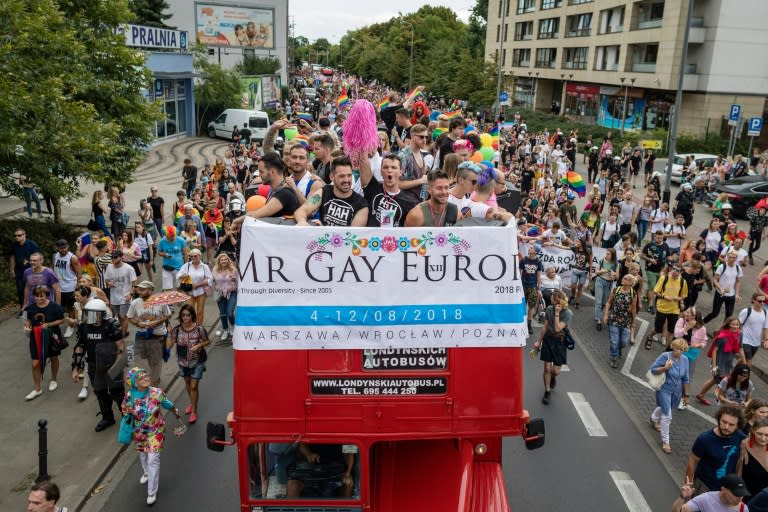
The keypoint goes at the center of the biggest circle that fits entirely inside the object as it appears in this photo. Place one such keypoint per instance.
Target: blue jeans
(602, 289)
(102, 225)
(227, 310)
(642, 229)
(30, 194)
(619, 338)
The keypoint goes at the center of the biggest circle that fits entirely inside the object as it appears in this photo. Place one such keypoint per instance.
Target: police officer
(100, 342)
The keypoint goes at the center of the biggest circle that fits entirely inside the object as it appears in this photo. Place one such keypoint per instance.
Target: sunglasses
(760, 301)
(421, 136)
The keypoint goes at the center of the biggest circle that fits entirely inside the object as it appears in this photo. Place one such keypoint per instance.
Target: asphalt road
(573, 471)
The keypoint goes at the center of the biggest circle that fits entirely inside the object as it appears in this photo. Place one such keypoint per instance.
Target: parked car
(679, 160)
(257, 120)
(743, 193)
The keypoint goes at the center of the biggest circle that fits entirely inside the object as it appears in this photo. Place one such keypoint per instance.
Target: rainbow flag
(303, 140)
(575, 182)
(342, 101)
(453, 113)
(383, 104)
(494, 131)
(413, 94)
(437, 132)
(306, 116)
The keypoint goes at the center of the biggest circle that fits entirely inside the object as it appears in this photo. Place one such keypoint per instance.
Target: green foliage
(151, 13)
(73, 110)
(218, 90)
(254, 65)
(44, 234)
(478, 21)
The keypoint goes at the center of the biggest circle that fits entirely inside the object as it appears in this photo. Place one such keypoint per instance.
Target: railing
(547, 35)
(607, 67)
(645, 67)
(574, 65)
(579, 33)
(522, 64)
(613, 29)
(697, 21)
(523, 37)
(641, 25)
(577, 2)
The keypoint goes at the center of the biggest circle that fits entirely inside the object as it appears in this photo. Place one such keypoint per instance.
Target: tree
(478, 22)
(253, 65)
(73, 110)
(151, 12)
(219, 88)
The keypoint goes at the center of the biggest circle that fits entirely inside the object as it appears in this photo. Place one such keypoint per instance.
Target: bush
(44, 233)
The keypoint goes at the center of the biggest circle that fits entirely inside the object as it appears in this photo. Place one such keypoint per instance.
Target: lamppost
(410, 66)
(624, 107)
(530, 91)
(499, 63)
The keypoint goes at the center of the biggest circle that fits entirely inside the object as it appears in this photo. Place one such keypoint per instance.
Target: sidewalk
(78, 457)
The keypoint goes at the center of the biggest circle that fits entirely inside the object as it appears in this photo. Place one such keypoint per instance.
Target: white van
(257, 121)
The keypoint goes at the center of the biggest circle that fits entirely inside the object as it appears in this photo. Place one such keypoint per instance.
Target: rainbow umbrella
(576, 183)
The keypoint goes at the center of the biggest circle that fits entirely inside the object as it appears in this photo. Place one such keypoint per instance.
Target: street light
(624, 109)
(410, 67)
(499, 62)
(530, 91)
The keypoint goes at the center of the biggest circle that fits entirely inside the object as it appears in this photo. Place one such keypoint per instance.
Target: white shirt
(659, 219)
(673, 242)
(122, 279)
(728, 276)
(741, 257)
(752, 327)
(137, 311)
(550, 284)
(469, 208)
(712, 240)
(555, 237)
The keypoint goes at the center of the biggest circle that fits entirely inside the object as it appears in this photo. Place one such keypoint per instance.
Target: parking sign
(735, 114)
(755, 126)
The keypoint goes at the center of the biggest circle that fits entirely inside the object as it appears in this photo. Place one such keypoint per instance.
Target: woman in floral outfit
(143, 403)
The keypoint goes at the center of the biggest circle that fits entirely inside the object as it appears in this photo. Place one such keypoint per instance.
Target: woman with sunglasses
(754, 470)
(47, 315)
(190, 340)
(736, 389)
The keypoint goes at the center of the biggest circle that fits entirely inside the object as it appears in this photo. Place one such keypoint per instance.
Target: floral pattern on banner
(388, 244)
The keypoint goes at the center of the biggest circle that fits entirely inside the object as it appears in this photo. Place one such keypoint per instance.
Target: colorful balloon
(476, 157)
(290, 133)
(486, 140)
(255, 202)
(487, 152)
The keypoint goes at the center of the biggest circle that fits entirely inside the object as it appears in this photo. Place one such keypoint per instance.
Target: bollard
(42, 454)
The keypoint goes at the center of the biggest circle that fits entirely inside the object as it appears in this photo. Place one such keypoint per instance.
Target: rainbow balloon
(575, 182)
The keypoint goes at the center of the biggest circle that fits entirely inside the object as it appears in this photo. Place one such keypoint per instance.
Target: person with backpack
(671, 291)
(727, 282)
(725, 348)
(619, 315)
(754, 327)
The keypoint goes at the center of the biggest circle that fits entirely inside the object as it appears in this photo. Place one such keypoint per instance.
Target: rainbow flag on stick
(494, 131)
(342, 101)
(306, 116)
(452, 114)
(413, 94)
(383, 104)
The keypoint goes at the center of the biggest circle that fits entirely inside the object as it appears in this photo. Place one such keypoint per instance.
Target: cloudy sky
(332, 19)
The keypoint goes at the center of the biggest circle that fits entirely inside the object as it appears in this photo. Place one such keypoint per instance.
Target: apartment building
(587, 56)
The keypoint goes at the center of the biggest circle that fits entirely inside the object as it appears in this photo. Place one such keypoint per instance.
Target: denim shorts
(195, 373)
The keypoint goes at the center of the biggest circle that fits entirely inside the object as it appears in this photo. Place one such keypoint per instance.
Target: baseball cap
(117, 254)
(146, 284)
(61, 244)
(736, 485)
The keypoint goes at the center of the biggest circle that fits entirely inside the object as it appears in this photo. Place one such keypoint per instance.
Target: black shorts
(553, 350)
(749, 351)
(67, 300)
(670, 319)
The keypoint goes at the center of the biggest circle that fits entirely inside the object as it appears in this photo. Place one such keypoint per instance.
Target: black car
(743, 193)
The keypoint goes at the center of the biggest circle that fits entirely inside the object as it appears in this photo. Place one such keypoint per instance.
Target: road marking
(630, 492)
(587, 415)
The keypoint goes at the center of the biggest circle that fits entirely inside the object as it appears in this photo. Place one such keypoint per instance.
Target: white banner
(377, 288)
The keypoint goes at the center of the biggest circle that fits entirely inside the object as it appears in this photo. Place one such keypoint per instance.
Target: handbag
(125, 435)
(93, 225)
(570, 343)
(655, 380)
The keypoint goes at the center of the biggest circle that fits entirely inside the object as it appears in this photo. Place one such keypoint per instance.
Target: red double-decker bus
(394, 428)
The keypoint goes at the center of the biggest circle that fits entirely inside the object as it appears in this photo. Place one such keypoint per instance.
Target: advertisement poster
(379, 288)
(250, 93)
(270, 91)
(233, 25)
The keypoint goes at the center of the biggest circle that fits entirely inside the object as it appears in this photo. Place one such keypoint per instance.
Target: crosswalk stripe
(587, 415)
(630, 492)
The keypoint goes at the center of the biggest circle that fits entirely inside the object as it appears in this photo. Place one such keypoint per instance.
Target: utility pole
(678, 107)
(497, 103)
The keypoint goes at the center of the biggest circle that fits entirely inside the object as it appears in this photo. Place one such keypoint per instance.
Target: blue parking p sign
(755, 126)
(734, 115)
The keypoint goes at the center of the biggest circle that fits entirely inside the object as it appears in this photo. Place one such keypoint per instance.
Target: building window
(503, 57)
(578, 2)
(612, 20)
(524, 6)
(523, 30)
(579, 25)
(650, 14)
(576, 58)
(498, 32)
(644, 57)
(506, 31)
(607, 58)
(550, 4)
(521, 57)
(548, 28)
(546, 57)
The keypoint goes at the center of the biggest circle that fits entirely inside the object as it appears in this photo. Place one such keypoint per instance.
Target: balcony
(607, 67)
(644, 67)
(579, 33)
(547, 35)
(524, 37)
(698, 32)
(642, 25)
(613, 30)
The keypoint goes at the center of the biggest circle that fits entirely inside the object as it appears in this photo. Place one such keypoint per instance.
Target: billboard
(235, 25)
(259, 92)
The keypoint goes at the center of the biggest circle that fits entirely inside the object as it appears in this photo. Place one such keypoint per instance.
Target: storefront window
(174, 105)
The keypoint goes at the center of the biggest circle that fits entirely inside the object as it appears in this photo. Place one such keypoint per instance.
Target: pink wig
(360, 131)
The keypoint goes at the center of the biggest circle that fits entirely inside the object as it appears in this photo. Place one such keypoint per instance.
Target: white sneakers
(682, 406)
(83, 394)
(69, 332)
(151, 499)
(144, 479)
(33, 394)
(53, 385)
(224, 335)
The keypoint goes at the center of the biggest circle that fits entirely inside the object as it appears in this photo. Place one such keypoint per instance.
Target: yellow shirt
(671, 289)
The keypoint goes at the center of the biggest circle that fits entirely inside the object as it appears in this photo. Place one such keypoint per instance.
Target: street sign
(504, 98)
(734, 115)
(754, 127)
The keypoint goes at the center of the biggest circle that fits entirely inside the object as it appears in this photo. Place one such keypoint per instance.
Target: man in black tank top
(339, 205)
(436, 211)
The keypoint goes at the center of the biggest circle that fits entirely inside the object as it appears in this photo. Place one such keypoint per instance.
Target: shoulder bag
(656, 380)
(125, 436)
